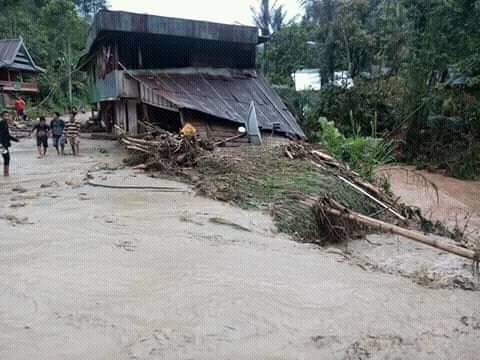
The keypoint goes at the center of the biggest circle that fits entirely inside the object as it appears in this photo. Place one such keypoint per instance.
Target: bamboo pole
(360, 190)
(325, 157)
(410, 234)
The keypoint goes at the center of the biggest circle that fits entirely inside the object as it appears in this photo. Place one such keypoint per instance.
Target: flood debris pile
(161, 150)
(348, 191)
(287, 180)
(310, 194)
(338, 221)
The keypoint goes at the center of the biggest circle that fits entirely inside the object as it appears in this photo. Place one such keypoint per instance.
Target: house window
(4, 75)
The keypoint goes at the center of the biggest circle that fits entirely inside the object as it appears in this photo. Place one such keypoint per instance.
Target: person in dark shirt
(5, 142)
(57, 125)
(41, 131)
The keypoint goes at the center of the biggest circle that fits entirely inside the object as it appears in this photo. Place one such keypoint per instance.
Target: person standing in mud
(5, 142)
(41, 131)
(72, 133)
(57, 125)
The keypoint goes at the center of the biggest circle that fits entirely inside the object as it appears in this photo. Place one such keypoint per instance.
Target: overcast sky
(225, 11)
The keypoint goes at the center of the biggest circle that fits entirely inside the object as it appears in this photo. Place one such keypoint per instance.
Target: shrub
(362, 154)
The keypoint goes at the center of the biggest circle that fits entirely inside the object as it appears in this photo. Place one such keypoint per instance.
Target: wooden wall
(212, 128)
(217, 129)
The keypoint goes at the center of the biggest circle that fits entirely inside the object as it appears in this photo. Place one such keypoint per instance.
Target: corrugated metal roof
(122, 21)
(10, 56)
(8, 50)
(225, 94)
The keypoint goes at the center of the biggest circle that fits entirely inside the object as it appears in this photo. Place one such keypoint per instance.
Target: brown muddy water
(441, 198)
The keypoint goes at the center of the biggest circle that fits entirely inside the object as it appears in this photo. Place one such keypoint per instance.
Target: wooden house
(173, 71)
(18, 72)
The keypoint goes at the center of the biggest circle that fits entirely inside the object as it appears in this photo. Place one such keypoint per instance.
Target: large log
(444, 244)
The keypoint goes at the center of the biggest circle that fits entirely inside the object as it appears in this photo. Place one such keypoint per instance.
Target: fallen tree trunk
(410, 234)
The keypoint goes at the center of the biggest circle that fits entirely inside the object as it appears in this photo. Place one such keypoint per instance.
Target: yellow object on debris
(188, 130)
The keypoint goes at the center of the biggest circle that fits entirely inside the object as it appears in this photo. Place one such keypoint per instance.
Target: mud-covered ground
(97, 273)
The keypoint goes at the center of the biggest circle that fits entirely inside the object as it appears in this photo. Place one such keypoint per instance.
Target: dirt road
(93, 273)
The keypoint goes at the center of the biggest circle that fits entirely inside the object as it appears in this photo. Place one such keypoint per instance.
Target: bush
(365, 109)
(363, 154)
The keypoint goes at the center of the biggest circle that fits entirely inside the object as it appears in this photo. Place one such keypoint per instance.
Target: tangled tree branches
(338, 222)
(164, 151)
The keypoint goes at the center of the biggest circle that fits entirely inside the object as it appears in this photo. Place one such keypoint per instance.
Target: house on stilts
(174, 71)
(18, 72)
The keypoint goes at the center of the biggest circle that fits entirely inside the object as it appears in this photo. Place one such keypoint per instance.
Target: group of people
(60, 131)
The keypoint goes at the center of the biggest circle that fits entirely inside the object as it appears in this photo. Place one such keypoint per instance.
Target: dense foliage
(416, 69)
(55, 33)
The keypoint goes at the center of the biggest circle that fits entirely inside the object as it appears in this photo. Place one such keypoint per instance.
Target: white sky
(224, 11)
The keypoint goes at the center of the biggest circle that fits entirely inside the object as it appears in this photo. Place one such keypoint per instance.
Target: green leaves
(89, 8)
(268, 19)
(363, 154)
(48, 28)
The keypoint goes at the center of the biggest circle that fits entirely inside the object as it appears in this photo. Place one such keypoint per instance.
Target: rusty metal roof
(127, 22)
(223, 93)
(14, 54)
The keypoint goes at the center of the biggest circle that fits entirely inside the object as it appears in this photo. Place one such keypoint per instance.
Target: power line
(55, 87)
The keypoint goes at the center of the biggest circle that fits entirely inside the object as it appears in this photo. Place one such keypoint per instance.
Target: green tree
(89, 8)
(55, 34)
(288, 51)
(63, 51)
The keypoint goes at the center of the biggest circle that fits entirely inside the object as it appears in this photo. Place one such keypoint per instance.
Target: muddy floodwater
(98, 273)
(441, 198)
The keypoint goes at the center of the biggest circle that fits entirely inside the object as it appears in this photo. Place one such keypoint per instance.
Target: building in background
(18, 72)
(311, 80)
(307, 79)
(175, 71)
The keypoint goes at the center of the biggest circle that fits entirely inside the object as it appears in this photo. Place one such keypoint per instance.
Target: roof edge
(123, 21)
(211, 71)
(21, 43)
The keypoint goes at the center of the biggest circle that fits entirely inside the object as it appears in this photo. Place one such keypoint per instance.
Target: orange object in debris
(188, 130)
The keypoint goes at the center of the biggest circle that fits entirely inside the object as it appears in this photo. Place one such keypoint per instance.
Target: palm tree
(278, 18)
(268, 18)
